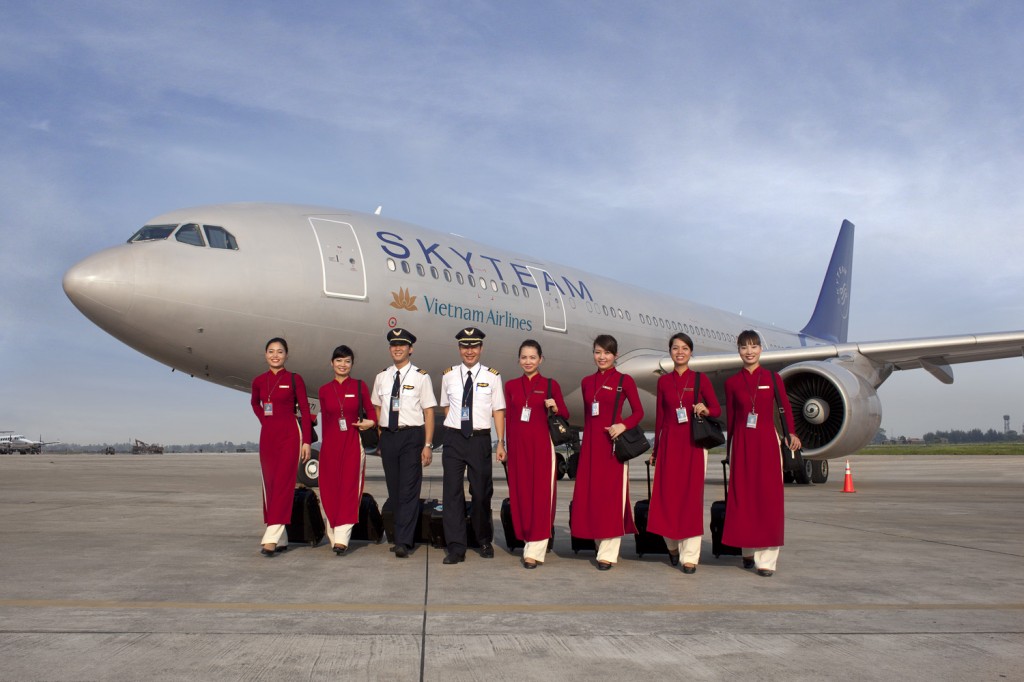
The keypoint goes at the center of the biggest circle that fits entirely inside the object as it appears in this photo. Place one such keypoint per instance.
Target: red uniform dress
(281, 438)
(531, 461)
(677, 498)
(755, 517)
(600, 500)
(342, 467)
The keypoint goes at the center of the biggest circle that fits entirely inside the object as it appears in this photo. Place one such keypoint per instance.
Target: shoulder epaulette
(447, 370)
(493, 371)
(422, 371)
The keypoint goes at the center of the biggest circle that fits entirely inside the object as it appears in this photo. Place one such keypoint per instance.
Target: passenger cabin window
(189, 234)
(219, 238)
(152, 233)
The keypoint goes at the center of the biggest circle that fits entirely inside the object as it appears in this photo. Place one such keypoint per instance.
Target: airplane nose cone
(102, 286)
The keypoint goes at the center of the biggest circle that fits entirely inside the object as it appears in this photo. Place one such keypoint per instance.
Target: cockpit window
(219, 238)
(189, 234)
(151, 233)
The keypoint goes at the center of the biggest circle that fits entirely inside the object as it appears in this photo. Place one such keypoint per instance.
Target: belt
(477, 433)
(403, 428)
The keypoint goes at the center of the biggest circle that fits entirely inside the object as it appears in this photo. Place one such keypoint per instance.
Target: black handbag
(706, 431)
(631, 443)
(559, 428)
(792, 460)
(369, 437)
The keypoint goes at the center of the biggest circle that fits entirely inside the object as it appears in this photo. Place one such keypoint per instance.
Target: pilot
(404, 397)
(471, 395)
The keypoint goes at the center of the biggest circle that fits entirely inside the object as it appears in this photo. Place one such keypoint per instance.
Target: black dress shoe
(401, 552)
(281, 548)
(673, 558)
(392, 548)
(527, 564)
(487, 550)
(604, 566)
(689, 570)
(748, 563)
(339, 550)
(453, 559)
(765, 573)
(267, 552)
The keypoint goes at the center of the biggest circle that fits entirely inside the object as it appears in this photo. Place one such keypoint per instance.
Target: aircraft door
(551, 297)
(341, 257)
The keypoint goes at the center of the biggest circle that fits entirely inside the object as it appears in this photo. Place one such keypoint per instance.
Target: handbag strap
(778, 406)
(549, 396)
(359, 399)
(618, 394)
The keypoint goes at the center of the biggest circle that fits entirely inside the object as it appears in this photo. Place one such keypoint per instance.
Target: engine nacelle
(836, 411)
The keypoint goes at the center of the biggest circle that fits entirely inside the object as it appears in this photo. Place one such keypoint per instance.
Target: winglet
(831, 318)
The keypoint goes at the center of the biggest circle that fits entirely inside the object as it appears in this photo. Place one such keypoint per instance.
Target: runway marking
(492, 608)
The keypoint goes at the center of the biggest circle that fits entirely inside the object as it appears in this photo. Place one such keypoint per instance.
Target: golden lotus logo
(403, 301)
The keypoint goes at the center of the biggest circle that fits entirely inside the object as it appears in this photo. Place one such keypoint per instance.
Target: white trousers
(764, 557)
(608, 549)
(536, 550)
(688, 548)
(273, 534)
(340, 535)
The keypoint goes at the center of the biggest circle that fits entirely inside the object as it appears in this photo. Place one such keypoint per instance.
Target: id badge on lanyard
(681, 415)
(752, 420)
(525, 416)
(396, 403)
(268, 409)
(342, 424)
(465, 412)
(595, 409)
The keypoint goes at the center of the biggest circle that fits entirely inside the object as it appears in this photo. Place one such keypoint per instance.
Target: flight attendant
(404, 397)
(531, 454)
(677, 498)
(472, 396)
(342, 460)
(283, 439)
(755, 520)
(601, 508)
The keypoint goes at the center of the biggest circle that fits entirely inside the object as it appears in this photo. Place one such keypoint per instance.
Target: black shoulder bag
(792, 461)
(631, 443)
(369, 437)
(557, 425)
(706, 431)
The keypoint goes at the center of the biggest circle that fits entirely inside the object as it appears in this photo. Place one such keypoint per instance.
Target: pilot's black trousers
(401, 453)
(466, 457)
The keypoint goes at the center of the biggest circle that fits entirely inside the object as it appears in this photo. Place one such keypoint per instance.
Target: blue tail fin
(831, 318)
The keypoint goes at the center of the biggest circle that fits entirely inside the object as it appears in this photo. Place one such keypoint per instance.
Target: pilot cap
(469, 337)
(399, 337)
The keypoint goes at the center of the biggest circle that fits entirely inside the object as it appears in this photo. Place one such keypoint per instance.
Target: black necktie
(467, 406)
(393, 413)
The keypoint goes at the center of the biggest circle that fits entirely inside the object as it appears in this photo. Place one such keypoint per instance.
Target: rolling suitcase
(646, 543)
(512, 541)
(307, 523)
(718, 548)
(576, 543)
(371, 525)
(437, 539)
(422, 535)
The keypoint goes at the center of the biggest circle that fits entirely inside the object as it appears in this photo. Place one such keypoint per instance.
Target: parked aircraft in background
(15, 442)
(202, 289)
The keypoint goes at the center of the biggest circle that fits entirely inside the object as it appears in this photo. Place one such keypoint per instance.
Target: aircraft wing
(933, 354)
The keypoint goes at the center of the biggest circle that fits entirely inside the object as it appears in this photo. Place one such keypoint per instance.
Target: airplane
(11, 442)
(201, 290)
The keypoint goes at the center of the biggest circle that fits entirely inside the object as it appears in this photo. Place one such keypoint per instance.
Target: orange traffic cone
(848, 481)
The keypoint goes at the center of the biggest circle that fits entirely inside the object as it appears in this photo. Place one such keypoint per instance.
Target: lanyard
(341, 406)
(526, 394)
(597, 391)
(753, 391)
(470, 372)
(272, 379)
(681, 391)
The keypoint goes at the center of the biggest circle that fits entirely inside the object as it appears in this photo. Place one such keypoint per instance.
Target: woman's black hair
(276, 339)
(748, 336)
(343, 351)
(685, 338)
(607, 342)
(530, 343)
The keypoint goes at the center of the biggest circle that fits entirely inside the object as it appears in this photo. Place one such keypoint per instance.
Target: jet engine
(836, 410)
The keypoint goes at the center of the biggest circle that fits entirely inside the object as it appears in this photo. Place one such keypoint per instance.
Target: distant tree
(880, 437)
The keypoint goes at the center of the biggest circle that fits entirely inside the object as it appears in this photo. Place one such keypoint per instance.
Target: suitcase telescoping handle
(648, 463)
(725, 477)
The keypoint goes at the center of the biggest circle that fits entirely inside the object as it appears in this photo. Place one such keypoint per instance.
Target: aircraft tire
(819, 471)
(803, 474)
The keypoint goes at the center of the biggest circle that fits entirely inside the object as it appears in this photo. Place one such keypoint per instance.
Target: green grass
(945, 449)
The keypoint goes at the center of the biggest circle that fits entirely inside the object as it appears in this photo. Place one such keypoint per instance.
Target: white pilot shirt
(416, 395)
(488, 394)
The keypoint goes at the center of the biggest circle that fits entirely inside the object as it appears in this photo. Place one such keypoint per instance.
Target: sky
(707, 149)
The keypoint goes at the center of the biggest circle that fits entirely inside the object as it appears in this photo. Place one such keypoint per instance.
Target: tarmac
(147, 567)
